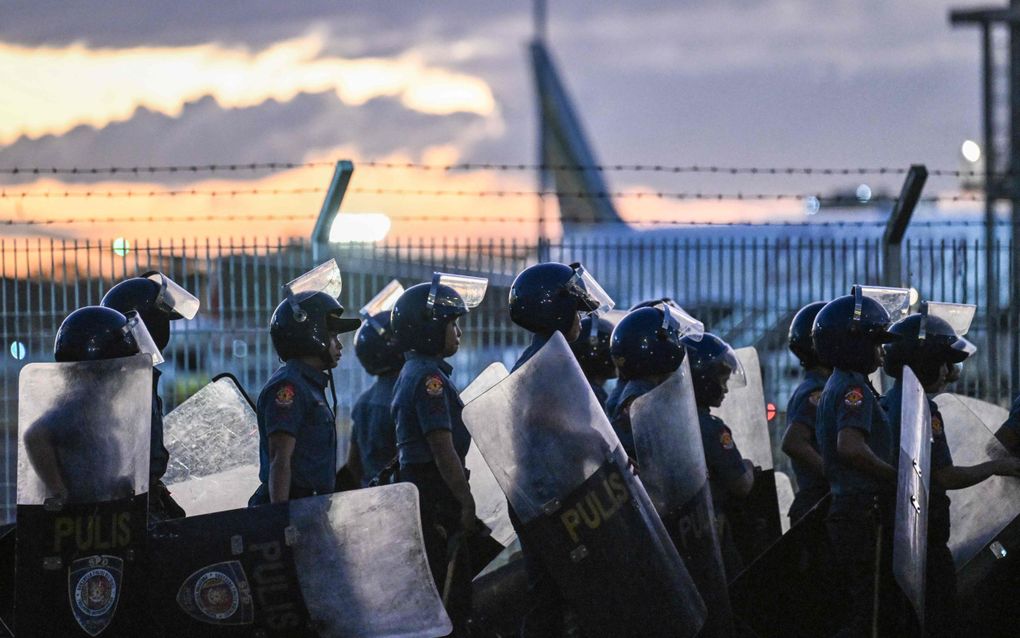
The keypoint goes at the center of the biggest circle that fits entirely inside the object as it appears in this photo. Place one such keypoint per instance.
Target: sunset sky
(716, 82)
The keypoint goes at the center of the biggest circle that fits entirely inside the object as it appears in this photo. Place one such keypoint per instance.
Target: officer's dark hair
(643, 343)
(709, 357)
(925, 356)
(845, 339)
(140, 294)
(799, 337)
(592, 348)
(420, 325)
(93, 333)
(376, 347)
(301, 325)
(543, 299)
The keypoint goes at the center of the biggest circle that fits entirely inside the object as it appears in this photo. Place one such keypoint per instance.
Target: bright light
(240, 349)
(971, 151)
(121, 247)
(914, 296)
(359, 228)
(864, 193)
(770, 411)
(812, 205)
(18, 350)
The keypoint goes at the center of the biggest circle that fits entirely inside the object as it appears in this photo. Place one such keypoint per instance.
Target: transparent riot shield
(981, 512)
(338, 565)
(667, 439)
(490, 504)
(83, 478)
(557, 459)
(213, 440)
(743, 410)
(910, 534)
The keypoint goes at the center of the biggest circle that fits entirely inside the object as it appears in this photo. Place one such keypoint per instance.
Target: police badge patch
(285, 396)
(726, 440)
(853, 397)
(433, 385)
(936, 425)
(93, 584)
(218, 595)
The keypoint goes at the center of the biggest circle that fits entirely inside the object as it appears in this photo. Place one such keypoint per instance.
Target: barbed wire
(494, 219)
(692, 196)
(490, 166)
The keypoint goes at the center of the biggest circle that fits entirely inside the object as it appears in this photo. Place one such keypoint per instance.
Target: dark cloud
(206, 133)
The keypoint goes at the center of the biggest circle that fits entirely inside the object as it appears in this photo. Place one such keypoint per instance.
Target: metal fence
(745, 287)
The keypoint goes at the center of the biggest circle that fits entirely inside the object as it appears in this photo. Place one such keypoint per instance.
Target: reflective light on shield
(770, 411)
(914, 296)
(359, 228)
(18, 350)
(121, 246)
(240, 349)
(971, 151)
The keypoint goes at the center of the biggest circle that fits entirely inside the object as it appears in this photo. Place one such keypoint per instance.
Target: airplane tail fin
(564, 151)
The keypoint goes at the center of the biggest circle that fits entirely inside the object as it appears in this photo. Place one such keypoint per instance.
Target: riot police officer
(432, 440)
(592, 352)
(931, 343)
(546, 298)
(855, 440)
(799, 441)
(72, 461)
(731, 476)
(373, 434)
(158, 299)
(297, 425)
(1009, 433)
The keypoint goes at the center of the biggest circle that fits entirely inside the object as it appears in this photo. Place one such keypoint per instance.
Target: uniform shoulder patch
(815, 398)
(726, 439)
(853, 397)
(433, 385)
(285, 395)
(936, 425)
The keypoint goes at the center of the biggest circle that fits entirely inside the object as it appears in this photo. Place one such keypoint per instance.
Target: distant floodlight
(812, 205)
(971, 151)
(864, 193)
(18, 350)
(359, 228)
(121, 247)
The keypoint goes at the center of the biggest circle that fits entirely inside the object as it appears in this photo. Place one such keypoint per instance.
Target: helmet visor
(589, 293)
(953, 322)
(173, 298)
(738, 376)
(676, 318)
(140, 334)
(896, 301)
(383, 300)
(470, 289)
(323, 278)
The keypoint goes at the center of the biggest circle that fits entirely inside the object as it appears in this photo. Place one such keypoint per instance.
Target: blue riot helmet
(421, 313)
(848, 329)
(546, 297)
(375, 344)
(714, 369)
(157, 298)
(591, 349)
(302, 323)
(799, 337)
(94, 332)
(649, 340)
(929, 340)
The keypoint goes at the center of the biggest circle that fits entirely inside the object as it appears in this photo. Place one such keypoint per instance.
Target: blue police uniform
(940, 597)
(600, 394)
(373, 429)
(426, 400)
(537, 341)
(293, 401)
(802, 409)
(161, 505)
(860, 503)
(1013, 422)
(725, 464)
